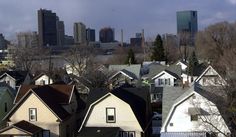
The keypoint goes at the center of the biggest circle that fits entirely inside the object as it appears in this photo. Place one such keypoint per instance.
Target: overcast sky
(154, 16)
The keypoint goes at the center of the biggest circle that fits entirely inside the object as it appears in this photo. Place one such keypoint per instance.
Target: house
(183, 65)
(44, 111)
(124, 74)
(162, 75)
(127, 109)
(191, 112)
(190, 78)
(42, 79)
(7, 95)
(15, 78)
(210, 77)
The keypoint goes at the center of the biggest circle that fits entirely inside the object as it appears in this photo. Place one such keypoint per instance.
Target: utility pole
(122, 42)
(143, 45)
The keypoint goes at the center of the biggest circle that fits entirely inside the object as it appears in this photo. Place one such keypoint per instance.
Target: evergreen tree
(193, 63)
(130, 58)
(158, 53)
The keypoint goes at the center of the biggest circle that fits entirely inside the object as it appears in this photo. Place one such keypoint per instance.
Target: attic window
(110, 115)
(194, 117)
(171, 124)
(32, 114)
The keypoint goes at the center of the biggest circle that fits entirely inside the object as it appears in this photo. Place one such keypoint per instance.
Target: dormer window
(110, 115)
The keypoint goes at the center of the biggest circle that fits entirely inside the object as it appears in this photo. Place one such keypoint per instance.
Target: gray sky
(154, 16)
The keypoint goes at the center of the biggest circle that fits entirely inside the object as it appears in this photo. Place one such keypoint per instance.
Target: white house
(42, 79)
(166, 78)
(193, 113)
(15, 78)
(183, 65)
(118, 108)
(210, 77)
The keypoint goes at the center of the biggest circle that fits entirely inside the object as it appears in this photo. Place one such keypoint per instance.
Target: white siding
(125, 118)
(43, 78)
(9, 80)
(165, 76)
(181, 117)
(211, 77)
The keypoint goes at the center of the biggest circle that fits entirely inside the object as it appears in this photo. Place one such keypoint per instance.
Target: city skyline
(132, 16)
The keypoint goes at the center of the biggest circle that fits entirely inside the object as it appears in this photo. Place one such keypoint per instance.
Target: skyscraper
(90, 35)
(60, 33)
(187, 23)
(27, 39)
(79, 33)
(47, 27)
(3, 42)
(106, 35)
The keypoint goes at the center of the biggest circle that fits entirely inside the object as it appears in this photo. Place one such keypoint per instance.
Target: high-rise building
(79, 33)
(47, 27)
(106, 35)
(3, 42)
(137, 41)
(60, 33)
(27, 39)
(187, 24)
(90, 35)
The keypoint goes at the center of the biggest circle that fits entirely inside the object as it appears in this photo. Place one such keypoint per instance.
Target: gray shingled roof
(172, 95)
(155, 69)
(135, 69)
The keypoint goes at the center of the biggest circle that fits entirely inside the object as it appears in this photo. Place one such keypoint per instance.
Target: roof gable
(53, 96)
(21, 128)
(209, 71)
(164, 73)
(137, 104)
(19, 76)
(135, 68)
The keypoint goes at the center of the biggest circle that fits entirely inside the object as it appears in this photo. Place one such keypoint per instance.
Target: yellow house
(43, 111)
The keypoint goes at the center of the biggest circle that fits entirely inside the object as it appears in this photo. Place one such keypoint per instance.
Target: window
(5, 104)
(160, 81)
(32, 114)
(42, 82)
(126, 134)
(194, 117)
(46, 133)
(110, 115)
(171, 124)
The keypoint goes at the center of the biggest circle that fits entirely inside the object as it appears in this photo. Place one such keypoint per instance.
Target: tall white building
(79, 33)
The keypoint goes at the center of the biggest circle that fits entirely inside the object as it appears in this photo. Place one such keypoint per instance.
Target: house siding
(5, 98)
(45, 118)
(181, 117)
(164, 76)
(45, 78)
(125, 118)
(9, 80)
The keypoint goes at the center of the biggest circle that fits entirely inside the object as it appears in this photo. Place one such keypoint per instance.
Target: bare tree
(79, 58)
(25, 58)
(217, 44)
